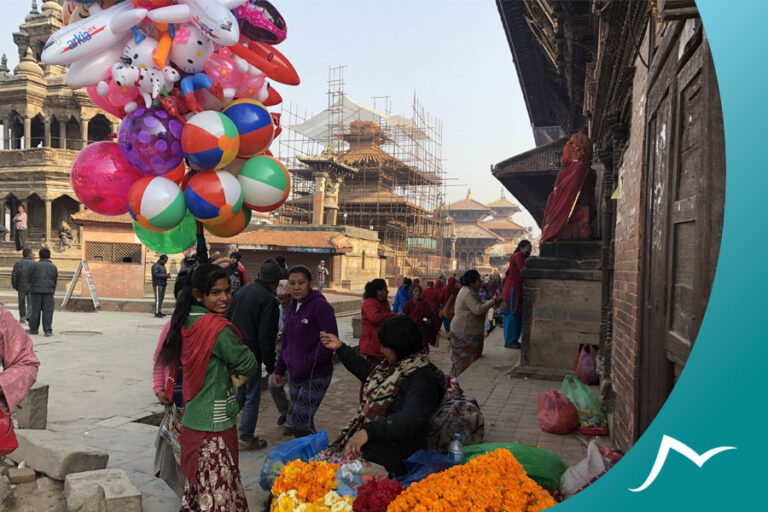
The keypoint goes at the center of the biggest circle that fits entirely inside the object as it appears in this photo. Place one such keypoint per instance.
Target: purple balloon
(150, 140)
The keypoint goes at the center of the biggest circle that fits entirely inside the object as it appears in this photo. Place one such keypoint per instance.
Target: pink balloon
(222, 69)
(102, 102)
(119, 95)
(101, 178)
(250, 86)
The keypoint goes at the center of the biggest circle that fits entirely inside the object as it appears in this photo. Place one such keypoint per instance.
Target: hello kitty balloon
(190, 49)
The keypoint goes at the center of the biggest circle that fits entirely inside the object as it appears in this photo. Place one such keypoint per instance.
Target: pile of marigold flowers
(308, 487)
(491, 482)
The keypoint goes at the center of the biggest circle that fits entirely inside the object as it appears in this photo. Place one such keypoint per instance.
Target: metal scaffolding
(387, 170)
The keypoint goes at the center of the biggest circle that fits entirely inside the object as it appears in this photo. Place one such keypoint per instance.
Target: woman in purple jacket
(308, 363)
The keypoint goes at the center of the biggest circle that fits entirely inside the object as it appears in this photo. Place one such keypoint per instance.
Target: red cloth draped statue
(570, 206)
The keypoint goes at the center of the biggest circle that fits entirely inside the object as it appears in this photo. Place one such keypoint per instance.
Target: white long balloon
(103, 29)
(92, 70)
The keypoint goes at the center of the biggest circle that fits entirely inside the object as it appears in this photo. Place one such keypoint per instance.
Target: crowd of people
(224, 331)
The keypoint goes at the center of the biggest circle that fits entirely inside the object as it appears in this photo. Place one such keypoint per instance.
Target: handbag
(8, 441)
(170, 430)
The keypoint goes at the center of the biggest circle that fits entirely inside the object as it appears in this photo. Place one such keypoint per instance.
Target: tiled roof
(90, 216)
(500, 224)
(467, 204)
(470, 231)
(334, 241)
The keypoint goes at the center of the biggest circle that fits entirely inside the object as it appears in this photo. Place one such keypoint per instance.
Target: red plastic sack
(586, 365)
(556, 413)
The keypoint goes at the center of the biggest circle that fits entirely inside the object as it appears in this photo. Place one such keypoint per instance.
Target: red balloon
(101, 178)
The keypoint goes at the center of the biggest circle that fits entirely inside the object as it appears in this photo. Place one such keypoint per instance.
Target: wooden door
(685, 192)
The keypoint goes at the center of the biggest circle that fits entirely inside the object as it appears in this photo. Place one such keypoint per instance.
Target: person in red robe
(450, 289)
(430, 295)
(571, 204)
(512, 294)
(424, 315)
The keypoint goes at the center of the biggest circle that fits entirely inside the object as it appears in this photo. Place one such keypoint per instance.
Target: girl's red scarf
(197, 344)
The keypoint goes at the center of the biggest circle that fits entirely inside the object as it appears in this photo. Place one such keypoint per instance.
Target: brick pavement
(99, 366)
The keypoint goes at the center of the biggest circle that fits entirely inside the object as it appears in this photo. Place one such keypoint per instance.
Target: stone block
(6, 493)
(357, 327)
(106, 490)
(34, 408)
(21, 475)
(56, 454)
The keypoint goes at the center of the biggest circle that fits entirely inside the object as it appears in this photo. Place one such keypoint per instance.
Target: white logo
(670, 443)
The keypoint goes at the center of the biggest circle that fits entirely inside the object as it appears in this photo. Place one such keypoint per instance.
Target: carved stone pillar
(47, 123)
(332, 200)
(63, 134)
(7, 137)
(48, 220)
(83, 133)
(27, 132)
(318, 207)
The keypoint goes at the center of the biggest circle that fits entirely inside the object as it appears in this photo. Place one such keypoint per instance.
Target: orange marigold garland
(310, 480)
(491, 482)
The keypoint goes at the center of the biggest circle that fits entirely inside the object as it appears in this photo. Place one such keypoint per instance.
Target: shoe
(252, 443)
(159, 315)
(30, 331)
(288, 431)
(281, 419)
(48, 334)
(513, 345)
(22, 320)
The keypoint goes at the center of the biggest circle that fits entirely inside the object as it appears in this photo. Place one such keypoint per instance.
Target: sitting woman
(65, 235)
(400, 396)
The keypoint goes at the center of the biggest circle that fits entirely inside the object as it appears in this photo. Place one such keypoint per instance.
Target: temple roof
(331, 240)
(91, 217)
(495, 224)
(472, 231)
(502, 203)
(468, 204)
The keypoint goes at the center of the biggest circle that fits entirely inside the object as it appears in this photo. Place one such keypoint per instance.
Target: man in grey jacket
(43, 276)
(20, 283)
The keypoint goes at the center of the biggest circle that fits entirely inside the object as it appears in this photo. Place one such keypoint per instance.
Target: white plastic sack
(584, 473)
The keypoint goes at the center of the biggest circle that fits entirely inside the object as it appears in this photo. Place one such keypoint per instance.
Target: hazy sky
(452, 53)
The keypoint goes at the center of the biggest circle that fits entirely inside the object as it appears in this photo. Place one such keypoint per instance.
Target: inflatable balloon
(233, 226)
(254, 124)
(260, 21)
(173, 241)
(210, 140)
(177, 175)
(102, 102)
(156, 203)
(76, 10)
(101, 178)
(265, 182)
(150, 140)
(95, 68)
(215, 15)
(213, 197)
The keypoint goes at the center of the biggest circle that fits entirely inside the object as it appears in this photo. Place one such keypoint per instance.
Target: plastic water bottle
(456, 450)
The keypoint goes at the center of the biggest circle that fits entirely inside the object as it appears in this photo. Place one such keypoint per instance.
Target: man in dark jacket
(159, 282)
(43, 276)
(20, 283)
(254, 311)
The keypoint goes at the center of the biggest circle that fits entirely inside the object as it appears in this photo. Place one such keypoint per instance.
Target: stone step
(107, 489)
(56, 454)
(562, 263)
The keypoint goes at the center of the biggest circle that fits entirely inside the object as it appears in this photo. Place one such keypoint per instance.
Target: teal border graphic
(719, 400)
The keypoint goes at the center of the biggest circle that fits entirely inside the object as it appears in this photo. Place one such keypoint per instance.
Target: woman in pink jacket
(18, 360)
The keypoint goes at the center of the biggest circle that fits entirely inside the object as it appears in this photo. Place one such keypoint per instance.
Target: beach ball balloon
(156, 203)
(173, 241)
(254, 123)
(177, 174)
(266, 183)
(213, 196)
(101, 178)
(150, 139)
(210, 140)
(233, 226)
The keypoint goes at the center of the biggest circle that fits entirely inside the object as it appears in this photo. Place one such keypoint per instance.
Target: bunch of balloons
(190, 80)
